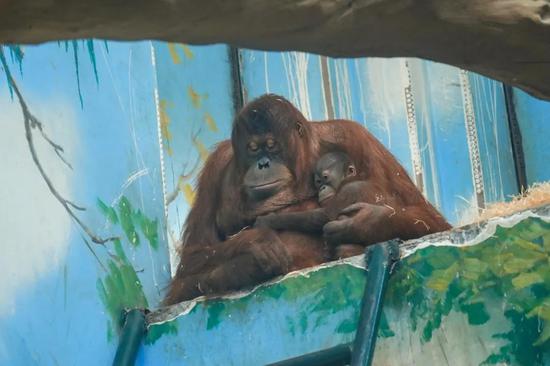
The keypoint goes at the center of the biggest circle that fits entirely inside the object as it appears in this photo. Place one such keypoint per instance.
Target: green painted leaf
(546, 242)
(473, 268)
(384, 329)
(542, 311)
(526, 279)
(148, 228)
(121, 287)
(156, 331)
(125, 216)
(544, 335)
(532, 230)
(441, 279)
(215, 312)
(347, 326)
(516, 265)
(497, 359)
(477, 313)
(427, 332)
(527, 245)
(446, 257)
(108, 212)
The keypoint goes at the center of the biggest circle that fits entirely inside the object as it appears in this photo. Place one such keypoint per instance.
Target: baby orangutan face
(330, 171)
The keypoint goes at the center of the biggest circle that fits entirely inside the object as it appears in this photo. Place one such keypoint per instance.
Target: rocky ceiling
(508, 40)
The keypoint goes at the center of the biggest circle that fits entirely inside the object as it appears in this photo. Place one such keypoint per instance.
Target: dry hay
(537, 195)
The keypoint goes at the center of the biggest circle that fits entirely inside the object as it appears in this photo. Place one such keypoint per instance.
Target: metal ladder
(380, 260)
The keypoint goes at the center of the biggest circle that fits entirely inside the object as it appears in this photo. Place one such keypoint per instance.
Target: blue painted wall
(195, 112)
(136, 122)
(62, 294)
(534, 119)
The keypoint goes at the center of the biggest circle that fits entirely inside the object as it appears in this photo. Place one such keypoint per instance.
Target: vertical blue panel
(196, 111)
(495, 147)
(534, 120)
(62, 294)
(442, 138)
(294, 75)
(372, 92)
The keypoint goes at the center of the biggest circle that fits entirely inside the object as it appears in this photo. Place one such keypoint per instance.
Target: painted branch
(508, 40)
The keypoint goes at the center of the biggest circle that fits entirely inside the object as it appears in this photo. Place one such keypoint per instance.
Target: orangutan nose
(263, 163)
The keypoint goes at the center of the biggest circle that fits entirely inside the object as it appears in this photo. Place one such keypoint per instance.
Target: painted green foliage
(156, 331)
(16, 53)
(121, 288)
(131, 222)
(510, 270)
(332, 290)
(512, 266)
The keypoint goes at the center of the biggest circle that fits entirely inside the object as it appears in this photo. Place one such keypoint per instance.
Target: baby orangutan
(339, 186)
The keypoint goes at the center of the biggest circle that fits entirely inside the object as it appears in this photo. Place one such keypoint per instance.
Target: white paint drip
(266, 75)
(343, 90)
(296, 71)
(420, 87)
(362, 74)
(489, 105)
(384, 94)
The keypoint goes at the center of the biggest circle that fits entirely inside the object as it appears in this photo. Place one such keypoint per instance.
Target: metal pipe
(335, 356)
(130, 338)
(380, 259)
(515, 139)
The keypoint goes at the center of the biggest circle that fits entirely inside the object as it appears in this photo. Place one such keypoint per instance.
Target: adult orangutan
(267, 167)
(339, 187)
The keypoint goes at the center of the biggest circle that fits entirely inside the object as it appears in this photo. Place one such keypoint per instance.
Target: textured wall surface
(101, 145)
(62, 294)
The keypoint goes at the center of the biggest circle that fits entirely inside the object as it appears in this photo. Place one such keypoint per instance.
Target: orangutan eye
(252, 146)
(270, 143)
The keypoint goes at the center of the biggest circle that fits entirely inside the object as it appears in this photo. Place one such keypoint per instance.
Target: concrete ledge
(471, 295)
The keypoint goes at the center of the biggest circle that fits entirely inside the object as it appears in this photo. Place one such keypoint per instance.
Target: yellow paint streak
(164, 125)
(210, 122)
(187, 52)
(174, 53)
(196, 98)
(203, 151)
(189, 193)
